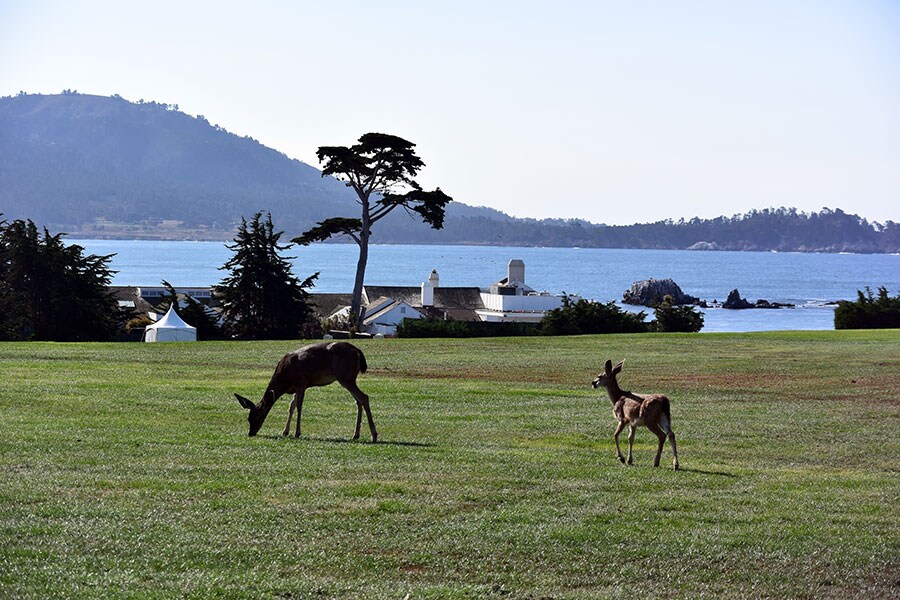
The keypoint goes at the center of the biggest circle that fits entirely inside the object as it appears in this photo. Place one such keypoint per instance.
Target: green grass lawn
(126, 471)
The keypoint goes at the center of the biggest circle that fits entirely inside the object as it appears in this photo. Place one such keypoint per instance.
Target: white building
(383, 315)
(511, 299)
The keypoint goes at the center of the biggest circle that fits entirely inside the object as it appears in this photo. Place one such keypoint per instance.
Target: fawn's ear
(618, 367)
(607, 367)
(244, 402)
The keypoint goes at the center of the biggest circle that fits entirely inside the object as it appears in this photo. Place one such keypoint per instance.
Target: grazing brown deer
(651, 411)
(312, 366)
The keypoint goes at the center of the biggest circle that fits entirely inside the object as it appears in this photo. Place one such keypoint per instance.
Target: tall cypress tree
(381, 169)
(261, 298)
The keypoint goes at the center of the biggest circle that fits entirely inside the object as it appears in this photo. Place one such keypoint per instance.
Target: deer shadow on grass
(336, 440)
(715, 473)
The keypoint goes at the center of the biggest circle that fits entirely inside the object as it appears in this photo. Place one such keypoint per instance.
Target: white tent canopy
(170, 329)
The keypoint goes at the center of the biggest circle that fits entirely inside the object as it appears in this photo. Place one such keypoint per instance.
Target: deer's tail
(362, 361)
(668, 416)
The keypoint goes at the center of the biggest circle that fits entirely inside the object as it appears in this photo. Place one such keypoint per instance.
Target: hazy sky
(615, 112)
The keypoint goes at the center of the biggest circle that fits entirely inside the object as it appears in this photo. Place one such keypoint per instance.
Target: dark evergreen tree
(261, 298)
(51, 291)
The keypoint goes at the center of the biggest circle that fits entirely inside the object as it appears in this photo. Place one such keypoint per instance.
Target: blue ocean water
(806, 280)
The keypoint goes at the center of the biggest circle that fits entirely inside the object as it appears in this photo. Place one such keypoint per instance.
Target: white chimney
(515, 271)
(433, 278)
(427, 294)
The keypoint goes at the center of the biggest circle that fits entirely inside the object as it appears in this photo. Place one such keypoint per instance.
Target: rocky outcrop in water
(734, 301)
(651, 292)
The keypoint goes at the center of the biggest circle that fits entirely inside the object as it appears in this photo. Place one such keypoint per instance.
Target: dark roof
(410, 294)
(129, 293)
(326, 305)
(449, 314)
(458, 297)
(444, 297)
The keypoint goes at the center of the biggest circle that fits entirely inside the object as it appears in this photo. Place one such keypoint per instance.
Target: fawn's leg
(619, 429)
(631, 430)
(662, 440)
(666, 426)
(674, 450)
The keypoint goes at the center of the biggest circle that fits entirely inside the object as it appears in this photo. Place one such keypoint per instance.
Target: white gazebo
(170, 328)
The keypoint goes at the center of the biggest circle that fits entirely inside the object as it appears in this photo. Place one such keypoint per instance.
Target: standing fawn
(651, 411)
(312, 366)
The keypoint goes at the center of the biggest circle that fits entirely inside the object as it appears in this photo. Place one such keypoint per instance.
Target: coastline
(75, 234)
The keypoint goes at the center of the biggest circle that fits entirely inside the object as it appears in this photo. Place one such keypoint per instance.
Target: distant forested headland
(96, 166)
(782, 229)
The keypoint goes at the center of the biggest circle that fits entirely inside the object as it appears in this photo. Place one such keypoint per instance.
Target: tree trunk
(356, 309)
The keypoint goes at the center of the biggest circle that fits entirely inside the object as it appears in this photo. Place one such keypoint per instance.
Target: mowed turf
(126, 471)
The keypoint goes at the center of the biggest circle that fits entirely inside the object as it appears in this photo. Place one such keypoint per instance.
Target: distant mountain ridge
(97, 166)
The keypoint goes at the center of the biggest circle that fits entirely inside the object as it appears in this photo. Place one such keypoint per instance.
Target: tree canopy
(261, 298)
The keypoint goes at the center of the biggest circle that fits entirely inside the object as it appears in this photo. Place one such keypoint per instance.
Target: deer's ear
(245, 402)
(618, 368)
(607, 367)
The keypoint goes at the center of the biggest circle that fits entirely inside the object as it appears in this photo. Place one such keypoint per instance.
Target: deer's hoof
(622, 459)
(630, 462)
(676, 466)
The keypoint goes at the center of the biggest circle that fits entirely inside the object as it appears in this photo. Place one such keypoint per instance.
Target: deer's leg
(619, 429)
(358, 420)
(287, 426)
(296, 403)
(661, 436)
(298, 399)
(362, 403)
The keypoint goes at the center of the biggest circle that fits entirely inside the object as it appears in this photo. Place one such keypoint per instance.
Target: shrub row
(572, 318)
(868, 311)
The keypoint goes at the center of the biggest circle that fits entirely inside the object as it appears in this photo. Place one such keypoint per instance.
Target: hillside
(102, 166)
(96, 166)
(70, 160)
